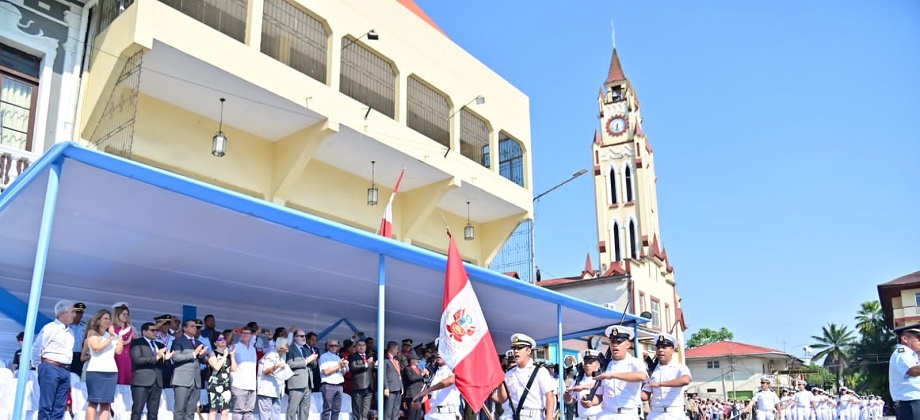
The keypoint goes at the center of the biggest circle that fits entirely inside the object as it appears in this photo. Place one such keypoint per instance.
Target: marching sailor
(529, 389)
(665, 389)
(767, 401)
(444, 395)
(583, 385)
(621, 384)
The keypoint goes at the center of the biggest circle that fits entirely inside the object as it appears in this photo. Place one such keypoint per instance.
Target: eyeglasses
(619, 340)
(333, 345)
(301, 336)
(520, 347)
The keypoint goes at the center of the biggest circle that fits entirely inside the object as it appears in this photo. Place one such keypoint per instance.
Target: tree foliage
(820, 377)
(834, 346)
(706, 336)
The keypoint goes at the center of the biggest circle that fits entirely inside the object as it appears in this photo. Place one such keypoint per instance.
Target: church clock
(617, 125)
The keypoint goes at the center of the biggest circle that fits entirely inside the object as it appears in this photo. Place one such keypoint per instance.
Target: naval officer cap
(766, 380)
(619, 331)
(665, 339)
(522, 340)
(591, 355)
(801, 382)
(913, 329)
(79, 307)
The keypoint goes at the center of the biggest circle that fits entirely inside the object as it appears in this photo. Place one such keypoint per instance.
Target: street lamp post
(533, 229)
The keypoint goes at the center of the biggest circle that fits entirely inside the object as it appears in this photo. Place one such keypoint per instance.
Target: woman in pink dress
(127, 333)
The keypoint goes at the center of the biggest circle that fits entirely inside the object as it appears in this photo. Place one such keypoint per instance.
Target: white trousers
(676, 414)
(766, 415)
(631, 415)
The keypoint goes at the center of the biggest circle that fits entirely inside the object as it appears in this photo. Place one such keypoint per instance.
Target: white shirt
(269, 385)
(803, 399)
(516, 380)
(102, 361)
(765, 400)
(902, 386)
(330, 360)
(666, 396)
(449, 396)
(622, 394)
(245, 375)
(56, 342)
(588, 382)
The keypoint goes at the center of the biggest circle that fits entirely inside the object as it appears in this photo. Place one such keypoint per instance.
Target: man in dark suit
(301, 360)
(186, 379)
(311, 345)
(361, 366)
(413, 381)
(392, 384)
(148, 358)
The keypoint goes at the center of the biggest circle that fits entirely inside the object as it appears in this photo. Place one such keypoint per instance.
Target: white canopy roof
(124, 231)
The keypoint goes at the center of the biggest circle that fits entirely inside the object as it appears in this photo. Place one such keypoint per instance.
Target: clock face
(616, 125)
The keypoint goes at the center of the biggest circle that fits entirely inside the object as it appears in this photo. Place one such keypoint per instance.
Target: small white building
(731, 370)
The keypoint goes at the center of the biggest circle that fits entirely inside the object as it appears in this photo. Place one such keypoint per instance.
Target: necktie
(302, 353)
(152, 346)
(415, 368)
(363, 357)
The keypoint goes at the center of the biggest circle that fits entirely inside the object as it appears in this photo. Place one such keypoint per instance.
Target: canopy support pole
(381, 339)
(38, 279)
(636, 339)
(560, 365)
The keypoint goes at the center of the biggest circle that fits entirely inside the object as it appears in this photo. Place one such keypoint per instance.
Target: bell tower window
(629, 184)
(615, 238)
(617, 93)
(633, 249)
(612, 180)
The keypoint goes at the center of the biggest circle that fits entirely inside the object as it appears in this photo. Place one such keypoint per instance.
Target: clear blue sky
(786, 137)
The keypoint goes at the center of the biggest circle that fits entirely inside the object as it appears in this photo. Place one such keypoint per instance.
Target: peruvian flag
(386, 225)
(466, 344)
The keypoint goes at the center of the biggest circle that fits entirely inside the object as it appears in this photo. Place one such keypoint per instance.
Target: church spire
(616, 70)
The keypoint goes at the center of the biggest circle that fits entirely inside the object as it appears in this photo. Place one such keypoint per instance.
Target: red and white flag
(466, 344)
(386, 225)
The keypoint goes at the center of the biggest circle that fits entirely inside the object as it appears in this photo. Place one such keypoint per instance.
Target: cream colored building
(315, 92)
(635, 274)
(900, 300)
(730, 370)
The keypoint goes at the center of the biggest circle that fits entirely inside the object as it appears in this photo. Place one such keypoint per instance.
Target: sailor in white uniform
(803, 406)
(621, 384)
(583, 384)
(766, 400)
(444, 395)
(665, 388)
(529, 388)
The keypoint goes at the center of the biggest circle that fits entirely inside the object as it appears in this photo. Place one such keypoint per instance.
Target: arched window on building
(612, 181)
(474, 137)
(368, 78)
(615, 238)
(294, 37)
(627, 177)
(633, 241)
(428, 111)
(511, 159)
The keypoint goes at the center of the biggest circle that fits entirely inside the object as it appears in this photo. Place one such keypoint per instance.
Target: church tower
(626, 199)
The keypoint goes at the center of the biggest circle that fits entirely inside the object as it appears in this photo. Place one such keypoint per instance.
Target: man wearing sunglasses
(332, 370)
(529, 389)
(767, 402)
(300, 359)
(621, 383)
(665, 388)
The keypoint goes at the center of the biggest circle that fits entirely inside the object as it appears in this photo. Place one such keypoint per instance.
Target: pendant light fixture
(219, 142)
(469, 231)
(372, 192)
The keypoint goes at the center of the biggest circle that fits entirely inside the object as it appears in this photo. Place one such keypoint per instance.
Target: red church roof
(410, 4)
(616, 70)
(728, 348)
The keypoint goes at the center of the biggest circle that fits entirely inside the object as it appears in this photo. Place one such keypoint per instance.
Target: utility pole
(724, 394)
(731, 362)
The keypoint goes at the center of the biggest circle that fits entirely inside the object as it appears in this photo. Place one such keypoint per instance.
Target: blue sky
(786, 137)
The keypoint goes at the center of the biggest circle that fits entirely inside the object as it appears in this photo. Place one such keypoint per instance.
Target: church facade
(634, 273)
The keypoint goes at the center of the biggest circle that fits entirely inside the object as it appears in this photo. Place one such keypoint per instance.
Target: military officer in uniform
(665, 388)
(621, 384)
(903, 372)
(529, 389)
(803, 402)
(583, 385)
(766, 400)
(443, 393)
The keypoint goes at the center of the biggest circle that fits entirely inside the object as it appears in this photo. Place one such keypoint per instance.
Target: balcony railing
(227, 16)
(13, 162)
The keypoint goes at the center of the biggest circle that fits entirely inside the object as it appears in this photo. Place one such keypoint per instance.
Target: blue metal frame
(16, 309)
(322, 334)
(38, 279)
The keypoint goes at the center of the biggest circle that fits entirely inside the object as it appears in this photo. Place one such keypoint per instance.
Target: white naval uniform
(784, 412)
(534, 406)
(667, 403)
(590, 413)
(801, 407)
(621, 399)
(765, 402)
(445, 403)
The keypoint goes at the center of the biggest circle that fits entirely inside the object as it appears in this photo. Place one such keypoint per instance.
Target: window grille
(428, 112)
(293, 37)
(368, 78)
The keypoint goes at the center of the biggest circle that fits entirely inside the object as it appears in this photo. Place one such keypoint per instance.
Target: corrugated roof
(728, 348)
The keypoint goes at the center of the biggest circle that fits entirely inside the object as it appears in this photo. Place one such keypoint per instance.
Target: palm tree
(834, 345)
(869, 319)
